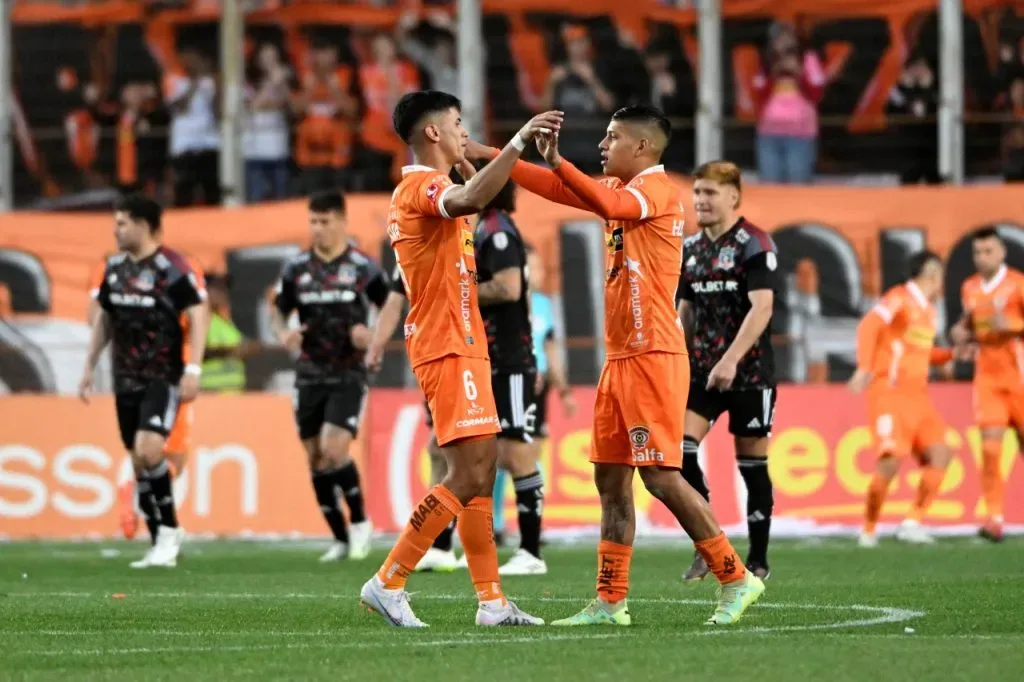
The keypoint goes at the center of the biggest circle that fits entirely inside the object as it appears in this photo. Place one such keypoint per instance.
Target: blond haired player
(641, 395)
(993, 319)
(447, 347)
(895, 349)
(179, 441)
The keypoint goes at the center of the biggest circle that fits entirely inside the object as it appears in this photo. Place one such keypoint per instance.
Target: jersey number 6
(467, 383)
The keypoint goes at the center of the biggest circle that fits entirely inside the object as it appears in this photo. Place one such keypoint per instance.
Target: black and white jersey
(499, 246)
(716, 278)
(331, 298)
(144, 300)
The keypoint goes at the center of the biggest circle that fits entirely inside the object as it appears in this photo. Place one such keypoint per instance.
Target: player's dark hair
(645, 113)
(327, 201)
(411, 109)
(140, 207)
(504, 200)
(918, 262)
(987, 233)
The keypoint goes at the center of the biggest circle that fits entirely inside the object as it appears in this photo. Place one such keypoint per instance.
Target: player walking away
(332, 286)
(179, 442)
(440, 557)
(993, 320)
(146, 289)
(895, 348)
(505, 307)
(641, 395)
(447, 348)
(725, 302)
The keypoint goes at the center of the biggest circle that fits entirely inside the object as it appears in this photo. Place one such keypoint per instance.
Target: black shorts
(540, 422)
(153, 408)
(337, 404)
(751, 412)
(514, 398)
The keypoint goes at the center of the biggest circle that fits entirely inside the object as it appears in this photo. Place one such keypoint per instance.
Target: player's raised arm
(531, 177)
(620, 203)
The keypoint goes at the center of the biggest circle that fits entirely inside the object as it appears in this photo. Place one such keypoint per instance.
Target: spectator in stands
(195, 139)
(575, 88)
(323, 139)
(915, 100)
(383, 81)
(1013, 137)
(438, 59)
(141, 155)
(266, 133)
(787, 92)
(665, 91)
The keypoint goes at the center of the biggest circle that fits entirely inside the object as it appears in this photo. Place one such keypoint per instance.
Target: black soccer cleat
(760, 570)
(991, 533)
(697, 571)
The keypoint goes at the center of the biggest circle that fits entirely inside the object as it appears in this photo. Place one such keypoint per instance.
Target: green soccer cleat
(735, 598)
(599, 612)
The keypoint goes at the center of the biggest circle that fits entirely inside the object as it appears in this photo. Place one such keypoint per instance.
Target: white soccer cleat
(914, 533)
(490, 614)
(438, 560)
(359, 536)
(146, 561)
(168, 546)
(867, 540)
(523, 563)
(462, 562)
(336, 552)
(392, 604)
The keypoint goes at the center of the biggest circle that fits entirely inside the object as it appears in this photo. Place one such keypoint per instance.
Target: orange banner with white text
(61, 463)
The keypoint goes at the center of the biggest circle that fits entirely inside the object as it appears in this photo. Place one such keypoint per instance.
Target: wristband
(518, 142)
(193, 369)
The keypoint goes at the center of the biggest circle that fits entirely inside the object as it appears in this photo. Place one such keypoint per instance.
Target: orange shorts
(459, 395)
(904, 423)
(179, 440)
(640, 410)
(998, 406)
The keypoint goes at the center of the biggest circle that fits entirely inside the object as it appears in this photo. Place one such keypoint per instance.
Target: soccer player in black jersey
(504, 296)
(726, 292)
(146, 289)
(333, 287)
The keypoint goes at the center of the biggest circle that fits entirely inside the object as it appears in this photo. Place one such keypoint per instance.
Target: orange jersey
(1000, 352)
(436, 262)
(96, 280)
(644, 238)
(896, 339)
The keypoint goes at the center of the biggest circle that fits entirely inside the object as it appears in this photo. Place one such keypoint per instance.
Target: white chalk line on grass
(868, 616)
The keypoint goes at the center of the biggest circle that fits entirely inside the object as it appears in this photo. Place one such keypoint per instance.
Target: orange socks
(722, 559)
(992, 485)
(613, 571)
(927, 491)
(476, 531)
(877, 491)
(431, 516)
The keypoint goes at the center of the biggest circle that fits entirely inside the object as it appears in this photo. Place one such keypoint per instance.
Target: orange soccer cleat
(129, 517)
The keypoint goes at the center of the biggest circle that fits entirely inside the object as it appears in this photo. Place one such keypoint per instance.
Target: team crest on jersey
(639, 436)
(305, 279)
(467, 242)
(742, 236)
(347, 275)
(726, 258)
(145, 280)
(432, 190)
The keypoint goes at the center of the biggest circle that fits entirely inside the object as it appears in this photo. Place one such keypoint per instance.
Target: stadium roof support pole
(232, 82)
(471, 61)
(951, 91)
(6, 104)
(709, 82)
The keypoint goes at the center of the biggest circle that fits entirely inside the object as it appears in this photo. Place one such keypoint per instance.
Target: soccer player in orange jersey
(179, 442)
(895, 349)
(641, 395)
(993, 319)
(447, 347)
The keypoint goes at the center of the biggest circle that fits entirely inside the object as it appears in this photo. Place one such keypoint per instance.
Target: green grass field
(238, 610)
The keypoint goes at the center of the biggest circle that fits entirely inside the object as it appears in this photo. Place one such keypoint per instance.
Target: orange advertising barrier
(70, 245)
(60, 463)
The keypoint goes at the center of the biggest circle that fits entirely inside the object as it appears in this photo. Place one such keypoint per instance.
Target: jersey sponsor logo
(691, 262)
(742, 236)
(677, 228)
(132, 300)
(322, 297)
(635, 275)
(639, 436)
(715, 286)
(754, 423)
(409, 330)
(305, 279)
(639, 439)
(465, 292)
(920, 336)
(771, 260)
(467, 242)
(726, 258)
(426, 508)
(394, 233)
(474, 410)
(476, 421)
